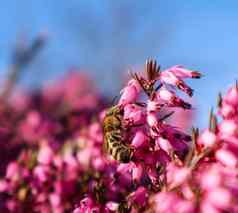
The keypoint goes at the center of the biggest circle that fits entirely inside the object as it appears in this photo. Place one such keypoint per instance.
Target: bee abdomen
(120, 151)
(125, 155)
(117, 149)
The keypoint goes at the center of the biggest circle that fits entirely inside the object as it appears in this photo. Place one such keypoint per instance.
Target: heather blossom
(58, 162)
(146, 120)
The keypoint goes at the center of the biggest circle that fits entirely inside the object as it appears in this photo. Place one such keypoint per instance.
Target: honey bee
(113, 135)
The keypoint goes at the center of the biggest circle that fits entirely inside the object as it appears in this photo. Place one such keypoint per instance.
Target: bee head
(115, 110)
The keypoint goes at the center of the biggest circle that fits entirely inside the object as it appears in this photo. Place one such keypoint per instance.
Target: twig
(22, 56)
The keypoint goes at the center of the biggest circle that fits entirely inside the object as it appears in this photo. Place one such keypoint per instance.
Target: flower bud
(207, 139)
(134, 114)
(139, 197)
(137, 172)
(55, 200)
(226, 110)
(220, 198)
(181, 72)
(139, 139)
(226, 157)
(231, 96)
(13, 170)
(45, 155)
(129, 93)
(112, 206)
(228, 127)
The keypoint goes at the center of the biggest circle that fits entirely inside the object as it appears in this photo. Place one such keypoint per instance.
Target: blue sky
(105, 38)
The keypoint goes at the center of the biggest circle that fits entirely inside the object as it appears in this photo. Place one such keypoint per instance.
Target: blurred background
(104, 38)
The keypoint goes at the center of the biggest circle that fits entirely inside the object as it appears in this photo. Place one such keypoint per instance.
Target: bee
(113, 135)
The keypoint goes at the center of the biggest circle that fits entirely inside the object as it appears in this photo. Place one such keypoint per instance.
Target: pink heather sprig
(220, 140)
(227, 129)
(144, 121)
(154, 142)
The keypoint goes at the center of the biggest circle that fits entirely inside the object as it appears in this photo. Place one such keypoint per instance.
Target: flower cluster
(54, 157)
(207, 180)
(147, 102)
(41, 132)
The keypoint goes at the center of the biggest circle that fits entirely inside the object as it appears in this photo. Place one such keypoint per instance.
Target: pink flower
(227, 110)
(181, 72)
(3, 185)
(168, 77)
(171, 99)
(208, 207)
(231, 96)
(139, 140)
(139, 197)
(153, 106)
(41, 172)
(83, 157)
(58, 161)
(164, 144)
(228, 127)
(188, 192)
(211, 177)
(183, 119)
(226, 157)
(176, 176)
(219, 190)
(95, 132)
(137, 172)
(112, 206)
(86, 204)
(20, 100)
(220, 198)
(170, 202)
(207, 139)
(45, 155)
(124, 167)
(98, 163)
(55, 200)
(135, 84)
(12, 205)
(13, 170)
(129, 93)
(133, 114)
(33, 118)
